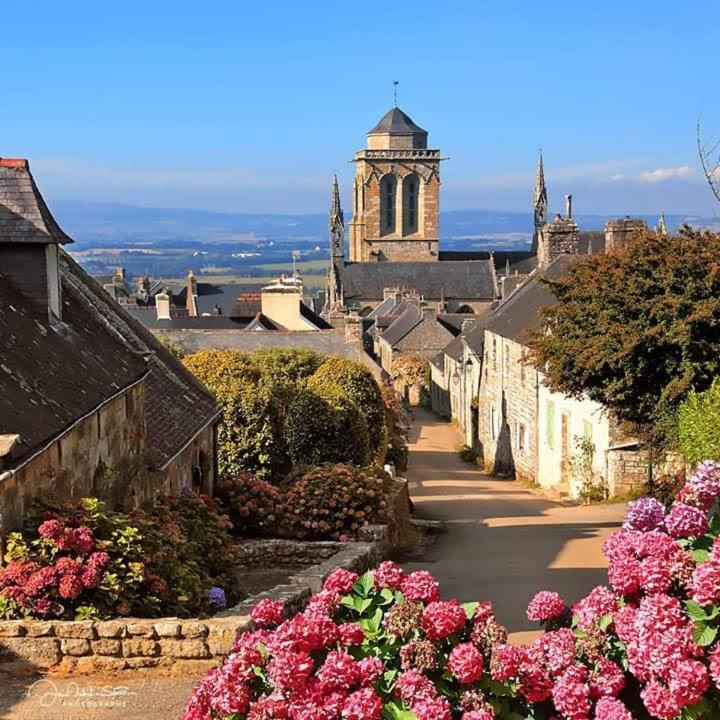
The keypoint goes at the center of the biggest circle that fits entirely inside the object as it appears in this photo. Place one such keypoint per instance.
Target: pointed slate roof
(396, 122)
(24, 216)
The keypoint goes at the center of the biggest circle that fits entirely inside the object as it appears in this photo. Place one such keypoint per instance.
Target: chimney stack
(568, 206)
(617, 232)
(162, 305)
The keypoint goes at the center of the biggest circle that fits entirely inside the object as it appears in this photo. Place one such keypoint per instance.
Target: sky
(252, 106)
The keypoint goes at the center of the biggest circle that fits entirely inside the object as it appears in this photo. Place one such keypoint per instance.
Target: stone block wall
(74, 465)
(185, 645)
(178, 473)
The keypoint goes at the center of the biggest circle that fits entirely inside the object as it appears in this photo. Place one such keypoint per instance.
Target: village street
(504, 543)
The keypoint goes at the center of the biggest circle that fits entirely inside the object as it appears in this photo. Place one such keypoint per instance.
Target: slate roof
(467, 280)
(24, 216)
(454, 349)
(522, 261)
(439, 360)
(396, 122)
(402, 325)
(177, 405)
(314, 318)
(519, 314)
(51, 376)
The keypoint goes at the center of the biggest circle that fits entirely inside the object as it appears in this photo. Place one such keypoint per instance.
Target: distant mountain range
(96, 225)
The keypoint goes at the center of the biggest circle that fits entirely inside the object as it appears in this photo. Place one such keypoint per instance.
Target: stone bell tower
(396, 200)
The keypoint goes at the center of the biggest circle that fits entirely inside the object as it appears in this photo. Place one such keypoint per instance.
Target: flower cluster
(385, 645)
(361, 646)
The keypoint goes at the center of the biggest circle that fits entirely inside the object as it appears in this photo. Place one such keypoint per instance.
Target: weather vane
(395, 85)
(296, 255)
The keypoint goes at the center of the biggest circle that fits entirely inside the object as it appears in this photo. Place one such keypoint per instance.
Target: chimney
(568, 206)
(559, 237)
(280, 303)
(617, 232)
(162, 305)
(191, 294)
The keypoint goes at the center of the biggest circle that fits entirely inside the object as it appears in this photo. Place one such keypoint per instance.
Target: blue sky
(253, 106)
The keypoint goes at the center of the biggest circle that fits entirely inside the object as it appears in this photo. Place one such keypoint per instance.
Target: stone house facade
(90, 403)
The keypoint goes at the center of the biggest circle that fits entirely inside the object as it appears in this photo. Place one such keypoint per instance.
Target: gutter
(9, 473)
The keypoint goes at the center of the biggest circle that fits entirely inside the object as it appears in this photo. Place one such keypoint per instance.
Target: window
(410, 204)
(388, 186)
(587, 430)
(550, 424)
(522, 372)
(520, 434)
(493, 423)
(494, 354)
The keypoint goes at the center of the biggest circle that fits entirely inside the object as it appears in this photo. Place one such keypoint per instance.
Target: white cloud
(662, 174)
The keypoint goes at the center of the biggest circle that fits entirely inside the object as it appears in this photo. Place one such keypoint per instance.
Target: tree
(699, 424)
(636, 330)
(709, 152)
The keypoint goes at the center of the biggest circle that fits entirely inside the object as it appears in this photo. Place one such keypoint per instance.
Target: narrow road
(504, 543)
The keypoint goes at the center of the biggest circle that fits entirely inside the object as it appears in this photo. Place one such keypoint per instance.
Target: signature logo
(48, 693)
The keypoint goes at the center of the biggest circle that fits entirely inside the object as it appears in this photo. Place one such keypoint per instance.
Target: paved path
(504, 543)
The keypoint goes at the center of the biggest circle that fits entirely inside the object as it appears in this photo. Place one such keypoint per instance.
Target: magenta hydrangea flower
(389, 575)
(610, 708)
(364, 704)
(466, 663)
(683, 521)
(644, 515)
(341, 581)
(268, 613)
(441, 619)
(545, 606)
(422, 586)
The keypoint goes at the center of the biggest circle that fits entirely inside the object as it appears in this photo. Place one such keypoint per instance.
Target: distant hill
(109, 224)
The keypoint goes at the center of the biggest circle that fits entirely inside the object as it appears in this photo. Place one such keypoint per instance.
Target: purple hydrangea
(704, 483)
(216, 596)
(684, 520)
(644, 515)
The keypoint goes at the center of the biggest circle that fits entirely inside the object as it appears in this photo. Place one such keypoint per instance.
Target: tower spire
(540, 200)
(661, 228)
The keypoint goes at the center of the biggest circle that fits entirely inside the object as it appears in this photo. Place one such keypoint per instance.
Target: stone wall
(183, 645)
(179, 472)
(507, 403)
(75, 465)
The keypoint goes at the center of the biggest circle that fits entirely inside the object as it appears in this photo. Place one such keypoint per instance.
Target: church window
(520, 434)
(410, 204)
(388, 187)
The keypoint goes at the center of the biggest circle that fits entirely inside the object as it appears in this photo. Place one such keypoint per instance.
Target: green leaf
(605, 622)
(703, 634)
(470, 608)
(695, 612)
(393, 711)
(700, 556)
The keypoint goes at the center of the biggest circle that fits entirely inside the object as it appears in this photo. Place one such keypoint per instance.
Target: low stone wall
(185, 645)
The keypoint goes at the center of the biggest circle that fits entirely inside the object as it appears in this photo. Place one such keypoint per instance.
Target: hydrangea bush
(385, 646)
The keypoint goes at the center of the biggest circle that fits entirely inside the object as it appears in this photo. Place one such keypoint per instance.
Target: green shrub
(334, 502)
(361, 388)
(80, 561)
(699, 424)
(286, 364)
(255, 507)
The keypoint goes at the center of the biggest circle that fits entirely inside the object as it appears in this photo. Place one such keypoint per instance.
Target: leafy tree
(361, 388)
(699, 424)
(286, 364)
(636, 329)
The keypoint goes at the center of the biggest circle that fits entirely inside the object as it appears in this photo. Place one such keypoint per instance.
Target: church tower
(396, 200)
(540, 203)
(336, 230)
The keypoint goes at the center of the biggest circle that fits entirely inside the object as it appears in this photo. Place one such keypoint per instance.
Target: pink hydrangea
(91, 577)
(705, 584)
(339, 670)
(505, 662)
(324, 603)
(715, 666)
(659, 701)
(83, 539)
(289, 670)
(51, 529)
(436, 708)
(545, 606)
(340, 581)
(364, 704)
(422, 586)
(70, 587)
(369, 670)
(606, 680)
(610, 708)
(351, 634)
(684, 520)
(655, 576)
(466, 663)
(441, 619)
(413, 685)
(268, 613)
(554, 651)
(571, 694)
(389, 575)
(599, 602)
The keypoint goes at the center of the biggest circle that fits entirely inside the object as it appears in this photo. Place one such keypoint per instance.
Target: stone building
(90, 402)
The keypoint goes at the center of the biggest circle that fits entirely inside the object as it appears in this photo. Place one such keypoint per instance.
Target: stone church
(394, 233)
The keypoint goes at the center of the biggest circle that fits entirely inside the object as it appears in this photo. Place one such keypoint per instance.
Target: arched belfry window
(388, 189)
(411, 190)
